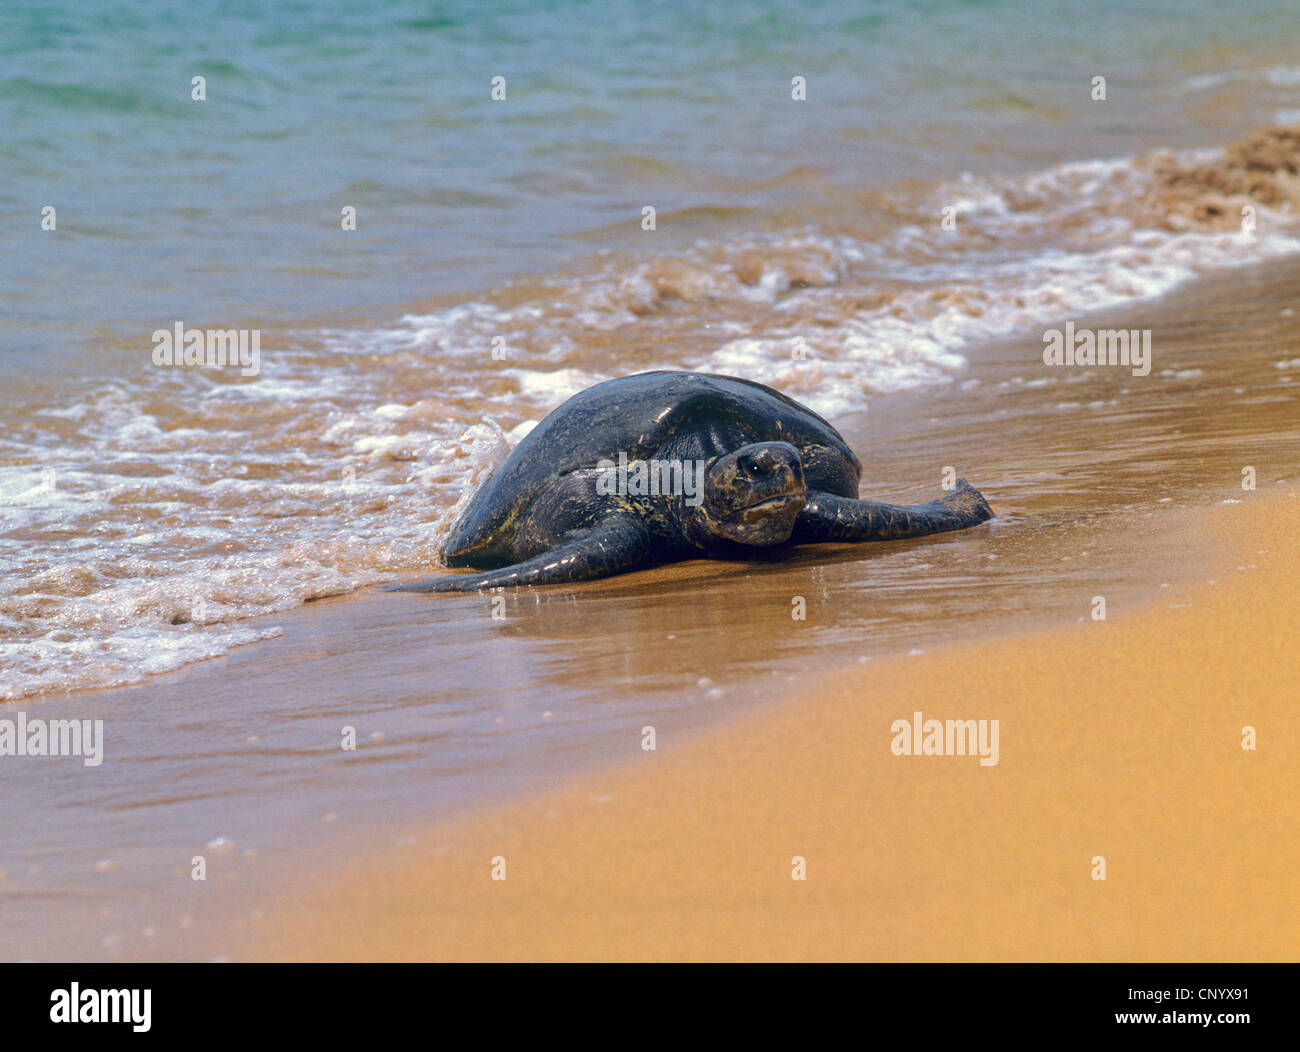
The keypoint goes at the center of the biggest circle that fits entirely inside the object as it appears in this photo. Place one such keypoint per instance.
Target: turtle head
(752, 496)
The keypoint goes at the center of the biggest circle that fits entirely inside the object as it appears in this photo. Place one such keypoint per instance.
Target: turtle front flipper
(618, 544)
(828, 518)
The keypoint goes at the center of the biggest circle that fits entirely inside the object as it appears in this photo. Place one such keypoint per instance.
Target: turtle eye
(750, 466)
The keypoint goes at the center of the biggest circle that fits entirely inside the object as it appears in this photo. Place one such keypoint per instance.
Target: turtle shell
(696, 415)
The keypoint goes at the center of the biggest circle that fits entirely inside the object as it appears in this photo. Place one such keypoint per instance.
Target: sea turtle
(744, 466)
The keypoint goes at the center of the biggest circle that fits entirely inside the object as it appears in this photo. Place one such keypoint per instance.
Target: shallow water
(228, 209)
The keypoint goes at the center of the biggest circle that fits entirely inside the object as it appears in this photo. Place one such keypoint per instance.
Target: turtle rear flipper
(829, 518)
(618, 544)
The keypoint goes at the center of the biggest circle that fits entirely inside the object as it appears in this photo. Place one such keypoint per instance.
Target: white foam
(1283, 76)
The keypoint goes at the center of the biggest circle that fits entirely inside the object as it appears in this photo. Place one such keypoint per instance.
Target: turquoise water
(227, 211)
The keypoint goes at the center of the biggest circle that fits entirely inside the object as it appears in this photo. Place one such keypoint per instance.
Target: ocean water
(499, 261)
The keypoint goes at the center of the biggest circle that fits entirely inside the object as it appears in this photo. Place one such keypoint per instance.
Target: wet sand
(1099, 480)
(1120, 744)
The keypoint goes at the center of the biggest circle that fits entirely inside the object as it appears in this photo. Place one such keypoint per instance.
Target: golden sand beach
(1159, 743)
(1159, 747)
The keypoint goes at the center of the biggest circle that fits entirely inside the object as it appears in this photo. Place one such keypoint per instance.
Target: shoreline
(1093, 475)
(382, 463)
(1120, 739)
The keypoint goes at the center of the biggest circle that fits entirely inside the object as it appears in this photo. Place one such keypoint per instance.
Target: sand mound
(1263, 170)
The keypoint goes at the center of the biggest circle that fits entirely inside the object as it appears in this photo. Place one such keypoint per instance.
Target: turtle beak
(791, 502)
